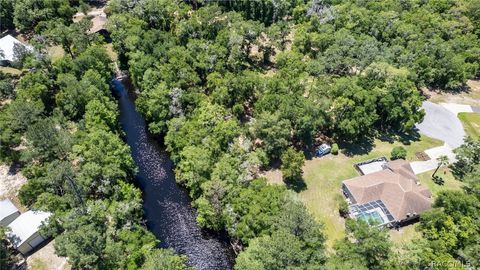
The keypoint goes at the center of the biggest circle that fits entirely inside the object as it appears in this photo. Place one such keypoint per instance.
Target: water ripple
(167, 207)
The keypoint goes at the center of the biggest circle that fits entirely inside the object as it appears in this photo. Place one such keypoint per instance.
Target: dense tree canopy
(59, 119)
(234, 87)
(238, 86)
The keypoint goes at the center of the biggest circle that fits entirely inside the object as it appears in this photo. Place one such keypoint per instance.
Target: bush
(398, 152)
(342, 206)
(334, 149)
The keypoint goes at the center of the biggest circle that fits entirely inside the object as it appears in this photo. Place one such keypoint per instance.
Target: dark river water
(168, 211)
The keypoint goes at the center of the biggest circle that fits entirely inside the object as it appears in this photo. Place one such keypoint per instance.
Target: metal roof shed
(25, 235)
(7, 45)
(8, 212)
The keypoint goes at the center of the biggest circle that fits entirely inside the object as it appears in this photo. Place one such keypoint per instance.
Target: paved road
(457, 108)
(441, 123)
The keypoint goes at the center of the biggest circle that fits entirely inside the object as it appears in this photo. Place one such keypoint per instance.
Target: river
(168, 212)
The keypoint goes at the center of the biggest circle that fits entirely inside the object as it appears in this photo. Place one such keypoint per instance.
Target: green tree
(73, 38)
(254, 210)
(155, 104)
(273, 132)
(441, 161)
(6, 15)
(5, 253)
(165, 259)
(292, 163)
(353, 109)
(281, 250)
(84, 239)
(46, 140)
(104, 160)
(29, 13)
(398, 152)
(101, 113)
(368, 246)
(468, 160)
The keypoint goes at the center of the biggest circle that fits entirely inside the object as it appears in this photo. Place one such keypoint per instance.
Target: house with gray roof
(8, 46)
(25, 230)
(8, 212)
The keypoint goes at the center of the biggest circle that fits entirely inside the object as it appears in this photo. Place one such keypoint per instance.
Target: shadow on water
(168, 211)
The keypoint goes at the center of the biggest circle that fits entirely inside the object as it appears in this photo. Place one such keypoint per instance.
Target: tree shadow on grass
(360, 147)
(405, 138)
(296, 184)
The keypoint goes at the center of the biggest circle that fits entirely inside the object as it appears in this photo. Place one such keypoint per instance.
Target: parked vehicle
(323, 150)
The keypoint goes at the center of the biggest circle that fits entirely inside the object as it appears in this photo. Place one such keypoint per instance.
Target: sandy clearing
(10, 182)
(45, 258)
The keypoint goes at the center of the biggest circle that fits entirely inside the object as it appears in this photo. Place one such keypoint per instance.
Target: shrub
(334, 149)
(398, 152)
(342, 206)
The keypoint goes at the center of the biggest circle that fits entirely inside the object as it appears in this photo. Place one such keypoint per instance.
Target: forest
(234, 88)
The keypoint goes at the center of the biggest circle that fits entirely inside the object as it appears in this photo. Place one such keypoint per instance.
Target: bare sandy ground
(46, 259)
(10, 182)
(273, 176)
(469, 97)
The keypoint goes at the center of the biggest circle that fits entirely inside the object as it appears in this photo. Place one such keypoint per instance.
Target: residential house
(8, 212)
(25, 234)
(391, 196)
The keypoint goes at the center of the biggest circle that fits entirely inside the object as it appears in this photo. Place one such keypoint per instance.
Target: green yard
(323, 177)
(10, 70)
(450, 182)
(471, 124)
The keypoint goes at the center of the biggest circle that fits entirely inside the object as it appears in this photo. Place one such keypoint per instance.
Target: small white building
(7, 52)
(8, 212)
(24, 234)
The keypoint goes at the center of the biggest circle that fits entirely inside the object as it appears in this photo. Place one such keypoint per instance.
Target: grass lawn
(405, 234)
(111, 52)
(471, 124)
(55, 52)
(10, 70)
(323, 177)
(450, 182)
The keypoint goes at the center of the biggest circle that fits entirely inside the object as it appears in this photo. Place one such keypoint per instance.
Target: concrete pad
(372, 167)
(444, 150)
(419, 167)
(442, 124)
(457, 108)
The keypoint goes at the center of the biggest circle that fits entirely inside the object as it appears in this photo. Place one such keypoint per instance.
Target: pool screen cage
(358, 210)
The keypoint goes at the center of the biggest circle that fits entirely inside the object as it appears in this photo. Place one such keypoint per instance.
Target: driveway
(441, 123)
(434, 153)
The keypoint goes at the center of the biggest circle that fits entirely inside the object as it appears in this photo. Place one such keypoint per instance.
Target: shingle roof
(26, 225)
(396, 186)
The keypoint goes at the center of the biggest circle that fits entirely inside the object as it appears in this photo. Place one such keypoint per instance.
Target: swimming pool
(372, 218)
